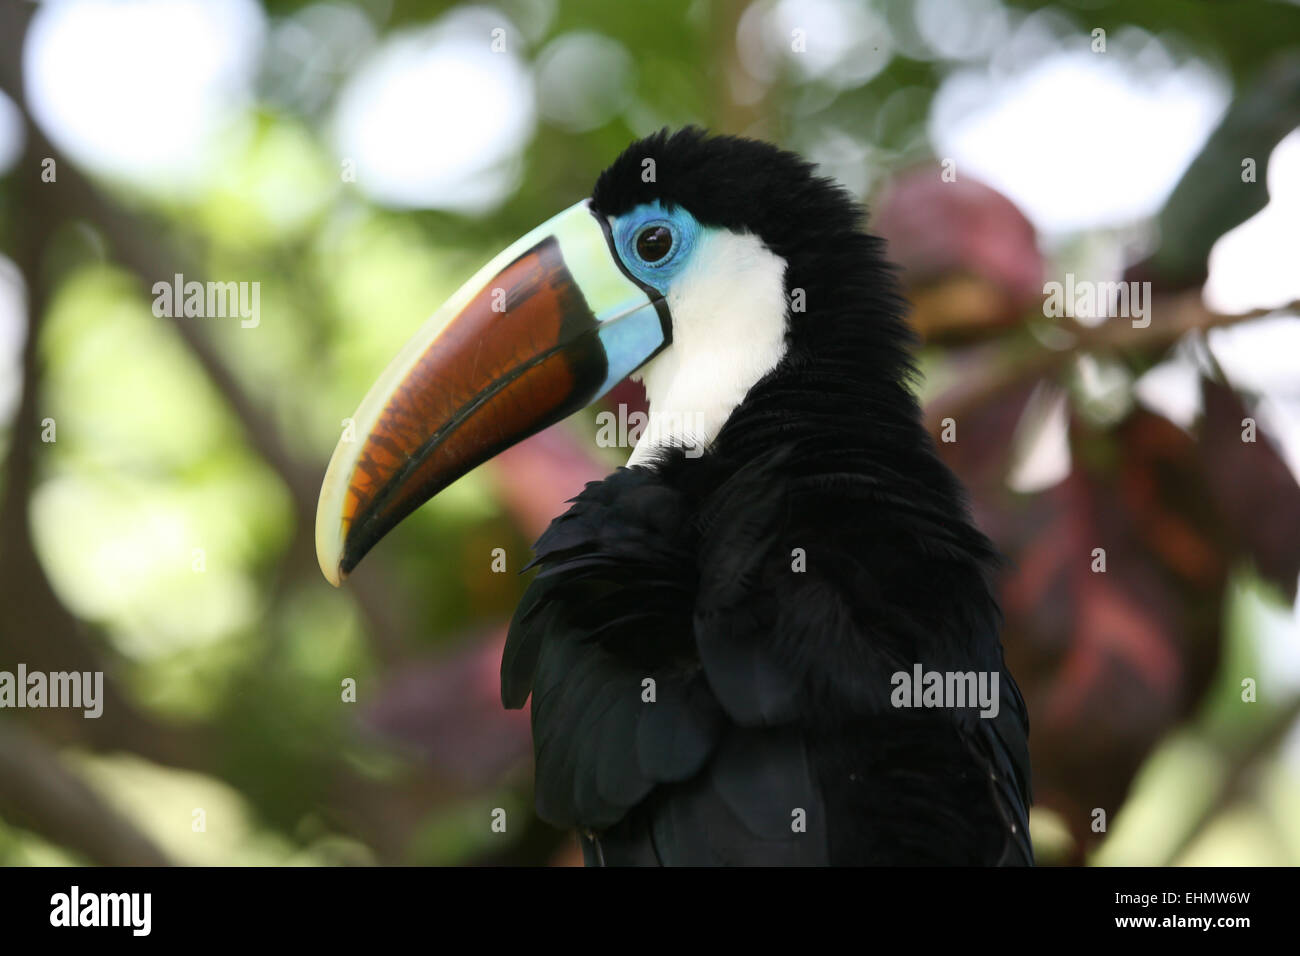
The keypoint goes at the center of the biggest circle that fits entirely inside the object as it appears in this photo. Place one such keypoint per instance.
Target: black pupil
(653, 243)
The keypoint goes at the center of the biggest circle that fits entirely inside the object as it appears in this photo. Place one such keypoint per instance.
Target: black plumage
(772, 685)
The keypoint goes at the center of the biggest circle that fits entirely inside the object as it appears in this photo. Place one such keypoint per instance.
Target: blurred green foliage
(157, 466)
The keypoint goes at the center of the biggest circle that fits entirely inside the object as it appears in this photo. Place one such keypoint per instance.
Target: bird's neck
(825, 385)
(832, 416)
(841, 398)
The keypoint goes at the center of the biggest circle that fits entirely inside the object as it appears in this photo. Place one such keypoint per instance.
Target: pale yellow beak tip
(329, 525)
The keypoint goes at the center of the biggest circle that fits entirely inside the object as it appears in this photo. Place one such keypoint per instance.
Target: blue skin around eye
(637, 334)
(685, 232)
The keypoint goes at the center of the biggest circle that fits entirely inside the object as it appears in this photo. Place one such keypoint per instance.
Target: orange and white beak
(544, 329)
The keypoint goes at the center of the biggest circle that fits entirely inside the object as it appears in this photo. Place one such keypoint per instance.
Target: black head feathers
(740, 184)
(843, 293)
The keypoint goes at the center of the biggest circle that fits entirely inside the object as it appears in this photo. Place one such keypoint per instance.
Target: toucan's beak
(544, 329)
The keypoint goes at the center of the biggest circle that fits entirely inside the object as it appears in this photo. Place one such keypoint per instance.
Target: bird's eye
(653, 243)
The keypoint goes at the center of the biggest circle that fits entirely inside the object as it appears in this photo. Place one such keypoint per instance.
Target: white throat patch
(729, 322)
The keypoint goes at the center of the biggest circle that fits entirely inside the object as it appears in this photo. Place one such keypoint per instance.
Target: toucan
(725, 641)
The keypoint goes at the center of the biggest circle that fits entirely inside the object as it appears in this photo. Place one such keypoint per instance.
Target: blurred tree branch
(987, 369)
(38, 629)
(74, 197)
(38, 792)
(41, 632)
(1242, 760)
